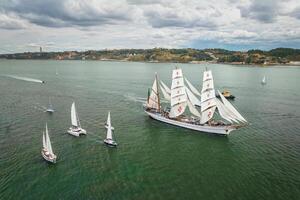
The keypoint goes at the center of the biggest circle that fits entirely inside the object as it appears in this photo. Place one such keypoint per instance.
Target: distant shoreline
(193, 63)
(279, 56)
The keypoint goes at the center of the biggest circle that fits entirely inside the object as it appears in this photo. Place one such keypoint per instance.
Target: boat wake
(140, 99)
(25, 79)
(40, 107)
(135, 98)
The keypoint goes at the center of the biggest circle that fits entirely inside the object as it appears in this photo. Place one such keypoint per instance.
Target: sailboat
(50, 107)
(181, 99)
(47, 151)
(56, 72)
(109, 138)
(264, 81)
(75, 129)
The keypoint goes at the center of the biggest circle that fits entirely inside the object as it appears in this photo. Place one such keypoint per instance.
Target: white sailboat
(47, 151)
(264, 81)
(75, 129)
(196, 120)
(109, 133)
(50, 107)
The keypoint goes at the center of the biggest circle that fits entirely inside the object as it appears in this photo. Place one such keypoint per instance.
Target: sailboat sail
(48, 142)
(44, 141)
(165, 94)
(109, 128)
(74, 115)
(207, 104)
(193, 89)
(230, 107)
(194, 100)
(153, 99)
(208, 96)
(264, 80)
(193, 110)
(207, 115)
(208, 84)
(223, 111)
(167, 89)
(178, 94)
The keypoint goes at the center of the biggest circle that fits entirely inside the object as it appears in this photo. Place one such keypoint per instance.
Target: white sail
(207, 75)
(177, 110)
(193, 110)
(207, 115)
(222, 111)
(48, 142)
(109, 128)
(263, 80)
(208, 84)
(193, 89)
(178, 94)
(74, 115)
(207, 104)
(44, 141)
(167, 89)
(194, 100)
(177, 83)
(208, 96)
(230, 107)
(165, 94)
(153, 99)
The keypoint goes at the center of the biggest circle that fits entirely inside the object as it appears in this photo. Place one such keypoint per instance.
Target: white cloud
(11, 21)
(99, 24)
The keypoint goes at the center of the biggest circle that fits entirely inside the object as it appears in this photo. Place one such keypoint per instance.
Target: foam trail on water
(141, 99)
(25, 79)
(134, 98)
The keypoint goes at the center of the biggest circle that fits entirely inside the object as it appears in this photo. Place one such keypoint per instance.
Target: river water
(153, 160)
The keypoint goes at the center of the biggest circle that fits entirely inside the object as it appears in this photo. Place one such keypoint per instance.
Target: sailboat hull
(76, 132)
(49, 110)
(220, 130)
(48, 158)
(110, 142)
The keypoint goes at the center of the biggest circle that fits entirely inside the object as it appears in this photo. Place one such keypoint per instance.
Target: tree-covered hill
(255, 56)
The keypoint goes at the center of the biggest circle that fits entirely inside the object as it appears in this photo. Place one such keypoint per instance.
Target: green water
(153, 160)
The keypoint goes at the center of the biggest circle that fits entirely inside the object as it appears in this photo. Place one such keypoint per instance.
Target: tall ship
(183, 106)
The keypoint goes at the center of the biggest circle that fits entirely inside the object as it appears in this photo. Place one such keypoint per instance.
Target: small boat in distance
(47, 151)
(226, 94)
(50, 108)
(264, 81)
(109, 138)
(75, 129)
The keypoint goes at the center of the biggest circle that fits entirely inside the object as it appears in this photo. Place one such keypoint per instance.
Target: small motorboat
(226, 94)
(109, 138)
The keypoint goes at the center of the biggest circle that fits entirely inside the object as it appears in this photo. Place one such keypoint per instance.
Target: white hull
(48, 158)
(50, 110)
(76, 132)
(222, 130)
(110, 142)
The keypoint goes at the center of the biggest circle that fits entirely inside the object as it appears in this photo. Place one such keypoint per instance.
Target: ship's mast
(158, 98)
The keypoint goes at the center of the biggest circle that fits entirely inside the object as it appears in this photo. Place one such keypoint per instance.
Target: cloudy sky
(58, 25)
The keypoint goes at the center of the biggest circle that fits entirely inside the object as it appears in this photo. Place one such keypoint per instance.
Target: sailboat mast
(158, 98)
(77, 117)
